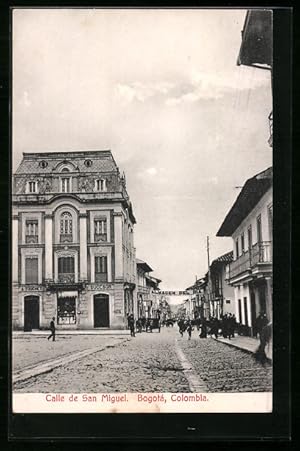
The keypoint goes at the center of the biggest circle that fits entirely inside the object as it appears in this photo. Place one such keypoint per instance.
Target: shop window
(100, 229)
(31, 270)
(66, 227)
(101, 269)
(66, 269)
(31, 235)
(66, 310)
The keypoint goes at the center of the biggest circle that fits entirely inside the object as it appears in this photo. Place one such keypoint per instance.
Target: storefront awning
(67, 294)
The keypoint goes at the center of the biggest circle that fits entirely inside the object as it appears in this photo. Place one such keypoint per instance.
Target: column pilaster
(83, 246)
(15, 244)
(48, 247)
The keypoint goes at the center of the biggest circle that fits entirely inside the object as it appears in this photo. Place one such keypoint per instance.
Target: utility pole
(208, 262)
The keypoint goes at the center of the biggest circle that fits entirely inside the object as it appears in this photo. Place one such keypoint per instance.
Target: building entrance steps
(248, 344)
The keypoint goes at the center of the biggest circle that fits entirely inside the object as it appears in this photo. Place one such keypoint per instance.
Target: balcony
(100, 277)
(66, 278)
(66, 238)
(251, 261)
(100, 237)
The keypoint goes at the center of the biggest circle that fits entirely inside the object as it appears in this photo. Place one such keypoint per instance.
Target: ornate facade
(72, 237)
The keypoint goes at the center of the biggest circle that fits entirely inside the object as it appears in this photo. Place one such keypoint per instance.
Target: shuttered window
(101, 269)
(66, 265)
(31, 270)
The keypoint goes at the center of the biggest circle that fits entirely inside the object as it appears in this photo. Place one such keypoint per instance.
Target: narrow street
(150, 362)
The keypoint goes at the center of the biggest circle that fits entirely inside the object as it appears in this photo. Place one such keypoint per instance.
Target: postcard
(142, 210)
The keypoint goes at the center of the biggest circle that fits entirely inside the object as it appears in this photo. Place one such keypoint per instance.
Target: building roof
(143, 265)
(199, 282)
(153, 281)
(225, 258)
(257, 43)
(252, 192)
(102, 161)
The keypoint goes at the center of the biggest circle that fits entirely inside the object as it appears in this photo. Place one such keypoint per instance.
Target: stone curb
(49, 365)
(234, 345)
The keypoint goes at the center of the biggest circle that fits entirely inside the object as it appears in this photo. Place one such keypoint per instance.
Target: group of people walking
(185, 326)
(226, 325)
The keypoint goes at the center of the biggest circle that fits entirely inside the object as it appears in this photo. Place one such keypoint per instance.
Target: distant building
(222, 294)
(250, 224)
(200, 298)
(72, 238)
(147, 298)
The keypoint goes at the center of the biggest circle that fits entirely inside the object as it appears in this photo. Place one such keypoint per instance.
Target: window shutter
(31, 270)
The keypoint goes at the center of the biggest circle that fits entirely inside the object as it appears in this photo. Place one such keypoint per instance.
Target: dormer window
(100, 185)
(32, 187)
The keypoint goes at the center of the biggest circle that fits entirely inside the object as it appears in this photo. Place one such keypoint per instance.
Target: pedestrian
(232, 325)
(224, 326)
(215, 327)
(52, 328)
(264, 338)
(189, 330)
(203, 333)
(181, 326)
(131, 325)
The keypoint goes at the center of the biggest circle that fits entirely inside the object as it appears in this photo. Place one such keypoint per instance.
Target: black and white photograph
(142, 210)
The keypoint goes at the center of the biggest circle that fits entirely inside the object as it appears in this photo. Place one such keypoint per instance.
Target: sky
(162, 90)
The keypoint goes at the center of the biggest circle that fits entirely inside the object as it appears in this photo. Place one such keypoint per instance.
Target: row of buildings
(240, 282)
(73, 255)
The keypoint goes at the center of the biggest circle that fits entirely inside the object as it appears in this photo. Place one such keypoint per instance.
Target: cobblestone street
(150, 362)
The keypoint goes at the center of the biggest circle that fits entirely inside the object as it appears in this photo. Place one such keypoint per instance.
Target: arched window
(66, 227)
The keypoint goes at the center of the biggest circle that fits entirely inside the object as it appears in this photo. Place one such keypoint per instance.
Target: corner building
(72, 235)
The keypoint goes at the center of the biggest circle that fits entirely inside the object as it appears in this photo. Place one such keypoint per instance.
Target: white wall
(260, 209)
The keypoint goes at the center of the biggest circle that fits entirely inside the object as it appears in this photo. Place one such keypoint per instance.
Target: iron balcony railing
(259, 253)
(66, 238)
(100, 237)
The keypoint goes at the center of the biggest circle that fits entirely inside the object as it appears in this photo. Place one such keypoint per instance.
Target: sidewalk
(248, 344)
(22, 334)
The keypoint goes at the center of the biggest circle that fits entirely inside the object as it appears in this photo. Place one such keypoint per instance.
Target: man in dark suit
(52, 328)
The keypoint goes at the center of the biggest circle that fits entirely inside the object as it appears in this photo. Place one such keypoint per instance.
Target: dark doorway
(262, 298)
(253, 312)
(246, 311)
(240, 311)
(31, 313)
(101, 310)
